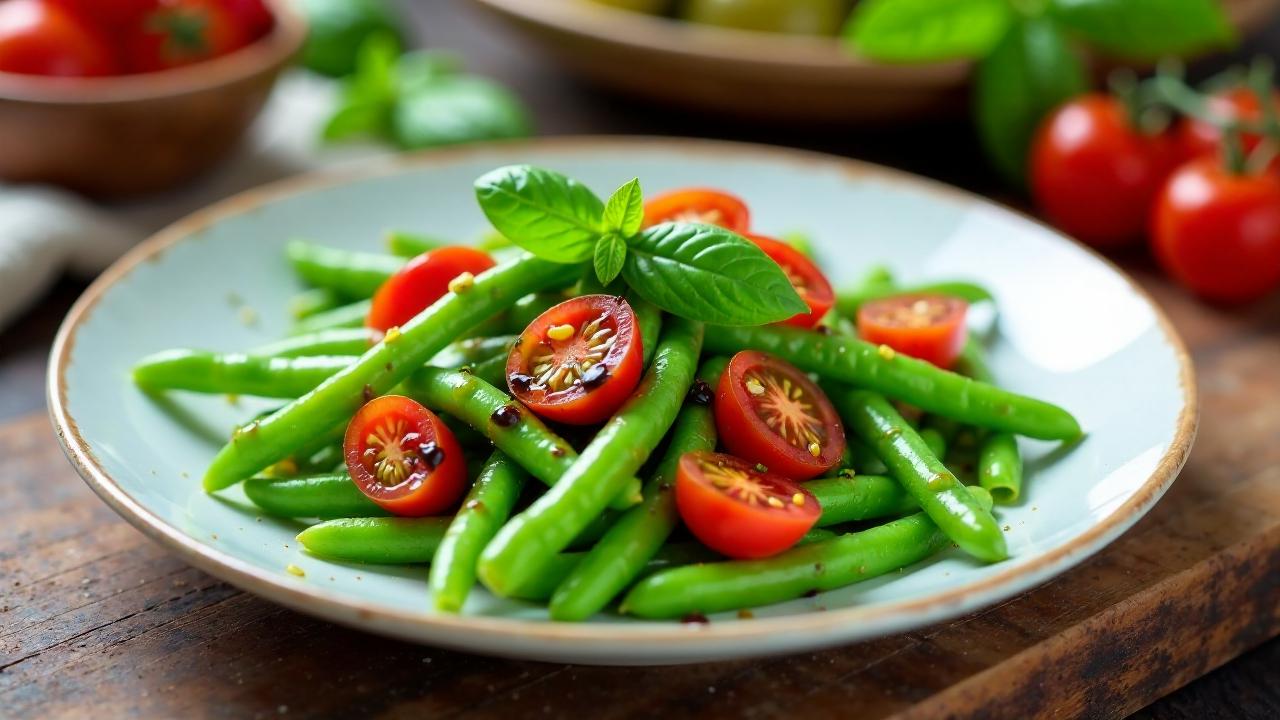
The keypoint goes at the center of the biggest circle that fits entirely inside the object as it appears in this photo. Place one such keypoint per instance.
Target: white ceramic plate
(1072, 330)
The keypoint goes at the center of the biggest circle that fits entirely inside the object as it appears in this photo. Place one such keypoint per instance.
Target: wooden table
(95, 618)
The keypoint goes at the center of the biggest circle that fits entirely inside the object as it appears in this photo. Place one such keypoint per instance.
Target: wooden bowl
(755, 75)
(112, 137)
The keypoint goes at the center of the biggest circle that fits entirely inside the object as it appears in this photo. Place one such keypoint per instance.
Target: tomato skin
(748, 436)
(1197, 138)
(1093, 175)
(938, 342)
(41, 38)
(705, 205)
(424, 491)
(253, 17)
(578, 404)
(1219, 234)
(732, 525)
(109, 15)
(181, 32)
(422, 281)
(812, 286)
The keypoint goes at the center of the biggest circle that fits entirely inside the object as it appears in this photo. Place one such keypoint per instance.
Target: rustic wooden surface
(95, 618)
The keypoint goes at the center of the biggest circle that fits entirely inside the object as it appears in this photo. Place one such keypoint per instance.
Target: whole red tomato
(253, 17)
(1218, 233)
(40, 38)
(108, 15)
(1197, 138)
(181, 32)
(1094, 175)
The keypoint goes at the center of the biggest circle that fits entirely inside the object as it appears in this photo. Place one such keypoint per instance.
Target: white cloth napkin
(45, 231)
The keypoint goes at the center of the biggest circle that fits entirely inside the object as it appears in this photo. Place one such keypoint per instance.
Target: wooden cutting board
(95, 616)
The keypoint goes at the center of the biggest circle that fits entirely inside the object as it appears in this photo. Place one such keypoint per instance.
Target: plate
(1072, 329)
(758, 75)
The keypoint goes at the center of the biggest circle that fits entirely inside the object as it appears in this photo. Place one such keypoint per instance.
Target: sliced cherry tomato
(109, 15)
(1199, 139)
(738, 510)
(181, 32)
(1218, 233)
(41, 38)
(770, 412)
(805, 277)
(712, 207)
(1095, 176)
(928, 327)
(422, 281)
(404, 458)
(579, 361)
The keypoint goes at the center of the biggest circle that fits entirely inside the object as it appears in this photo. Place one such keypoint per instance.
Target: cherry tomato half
(181, 32)
(40, 38)
(579, 361)
(805, 277)
(422, 281)
(1095, 176)
(404, 458)
(1199, 139)
(770, 412)
(734, 508)
(1218, 233)
(928, 327)
(698, 205)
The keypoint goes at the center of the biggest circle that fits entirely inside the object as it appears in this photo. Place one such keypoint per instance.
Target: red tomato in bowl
(109, 15)
(422, 281)
(736, 509)
(578, 362)
(253, 17)
(928, 327)
(771, 413)
(1095, 176)
(698, 205)
(181, 32)
(1219, 234)
(38, 37)
(1200, 139)
(404, 458)
(809, 282)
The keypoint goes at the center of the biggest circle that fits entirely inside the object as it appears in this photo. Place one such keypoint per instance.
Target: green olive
(651, 7)
(793, 17)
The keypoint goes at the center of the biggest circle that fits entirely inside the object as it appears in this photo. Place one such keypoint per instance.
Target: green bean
(526, 543)
(385, 364)
(649, 320)
(621, 554)
(913, 381)
(973, 362)
(826, 565)
(235, 373)
(332, 495)
(863, 458)
(528, 308)
(344, 316)
(379, 540)
(485, 509)
(873, 419)
(1000, 467)
(935, 441)
(848, 301)
(408, 245)
(492, 371)
(313, 301)
(353, 275)
(861, 497)
(474, 350)
(528, 441)
(336, 341)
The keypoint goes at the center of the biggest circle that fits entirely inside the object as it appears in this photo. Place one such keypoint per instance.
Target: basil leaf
(367, 96)
(704, 272)
(550, 215)
(336, 29)
(624, 212)
(1146, 29)
(926, 30)
(355, 119)
(416, 70)
(611, 253)
(1031, 71)
(457, 110)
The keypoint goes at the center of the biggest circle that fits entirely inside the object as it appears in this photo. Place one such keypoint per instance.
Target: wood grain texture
(94, 615)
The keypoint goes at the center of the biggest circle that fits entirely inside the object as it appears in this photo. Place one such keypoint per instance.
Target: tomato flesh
(403, 457)
(926, 327)
(579, 361)
(422, 281)
(768, 411)
(42, 38)
(736, 509)
(698, 205)
(1219, 234)
(810, 284)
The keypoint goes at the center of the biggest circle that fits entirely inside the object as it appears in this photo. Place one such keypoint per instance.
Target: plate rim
(645, 641)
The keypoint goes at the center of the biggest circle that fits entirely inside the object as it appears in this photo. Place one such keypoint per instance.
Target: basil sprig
(701, 272)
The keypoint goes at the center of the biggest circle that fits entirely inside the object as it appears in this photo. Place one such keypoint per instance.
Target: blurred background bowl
(756, 75)
(111, 137)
